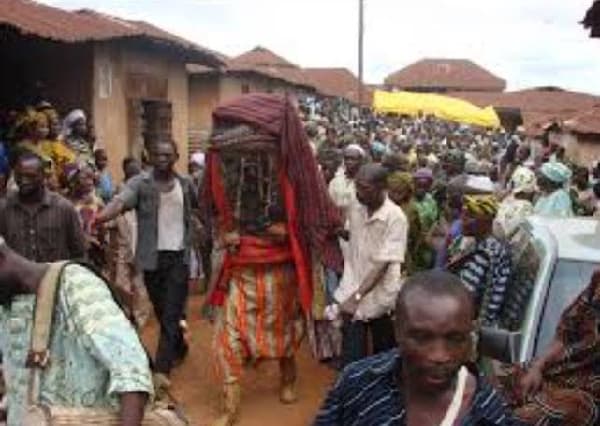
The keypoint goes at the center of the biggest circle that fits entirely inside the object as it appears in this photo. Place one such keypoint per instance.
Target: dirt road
(198, 390)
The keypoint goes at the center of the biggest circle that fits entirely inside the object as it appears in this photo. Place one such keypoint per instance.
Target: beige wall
(583, 150)
(207, 91)
(114, 62)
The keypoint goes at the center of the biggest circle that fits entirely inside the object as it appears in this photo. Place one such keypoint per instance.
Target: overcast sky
(527, 42)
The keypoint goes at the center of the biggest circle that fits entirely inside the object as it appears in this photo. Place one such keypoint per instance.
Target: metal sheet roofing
(32, 18)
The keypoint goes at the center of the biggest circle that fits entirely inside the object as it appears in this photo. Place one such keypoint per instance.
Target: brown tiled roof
(265, 62)
(591, 20)
(30, 17)
(338, 82)
(538, 106)
(450, 74)
(587, 122)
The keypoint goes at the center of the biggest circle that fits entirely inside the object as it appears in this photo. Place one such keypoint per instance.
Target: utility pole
(361, 31)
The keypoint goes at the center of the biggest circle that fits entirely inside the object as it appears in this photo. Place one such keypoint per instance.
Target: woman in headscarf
(560, 387)
(518, 205)
(482, 261)
(82, 193)
(425, 203)
(401, 190)
(75, 133)
(54, 147)
(555, 200)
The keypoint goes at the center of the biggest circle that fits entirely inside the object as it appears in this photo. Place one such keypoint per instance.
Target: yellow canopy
(444, 107)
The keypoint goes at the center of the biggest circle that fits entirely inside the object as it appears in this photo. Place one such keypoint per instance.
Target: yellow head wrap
(481, 206)
(400, 180)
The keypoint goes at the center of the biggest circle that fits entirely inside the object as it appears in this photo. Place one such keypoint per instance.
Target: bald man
(427, 383)
(372, 268)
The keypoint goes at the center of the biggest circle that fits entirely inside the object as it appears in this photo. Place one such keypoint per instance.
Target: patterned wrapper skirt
(261, 317)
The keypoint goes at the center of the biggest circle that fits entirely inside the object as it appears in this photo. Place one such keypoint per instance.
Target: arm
(104, 332)
(132, 408)
(127, 199)
(76, 240)
(111, 211)
(392, 251)
(501, 270)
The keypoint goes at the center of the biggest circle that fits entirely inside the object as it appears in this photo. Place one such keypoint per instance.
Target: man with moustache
(36, 222)
(427, 382)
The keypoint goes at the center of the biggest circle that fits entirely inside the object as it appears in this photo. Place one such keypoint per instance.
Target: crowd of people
(384, 239)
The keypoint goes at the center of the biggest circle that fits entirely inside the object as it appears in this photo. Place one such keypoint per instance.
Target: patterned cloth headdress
(481, 206)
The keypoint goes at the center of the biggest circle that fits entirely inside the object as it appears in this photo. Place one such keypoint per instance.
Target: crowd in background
(449, 197)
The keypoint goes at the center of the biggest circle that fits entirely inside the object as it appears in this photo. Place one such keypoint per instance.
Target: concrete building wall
(125, 74)
(207, 91)
(583, 150)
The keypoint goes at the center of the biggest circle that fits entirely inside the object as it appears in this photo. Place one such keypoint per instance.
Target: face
(422, 187)
(435, 336)
(352, 161)
(163, 157)
(473, 226)
(101, 160)
(54, 127)
(86, 180)
(132, 169)
(367, 193)
(41, 130)
(80, 128)
(29, 175)
(329, 169)
(400, 195)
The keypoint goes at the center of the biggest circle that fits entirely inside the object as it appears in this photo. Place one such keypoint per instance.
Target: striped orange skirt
(261, 317)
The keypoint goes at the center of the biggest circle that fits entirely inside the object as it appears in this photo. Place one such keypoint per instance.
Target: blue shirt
(105, 189)
(367, 394)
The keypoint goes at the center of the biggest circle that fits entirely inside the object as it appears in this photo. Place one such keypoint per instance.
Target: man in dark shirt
(427, 384)
(37, 223)
(164, 202)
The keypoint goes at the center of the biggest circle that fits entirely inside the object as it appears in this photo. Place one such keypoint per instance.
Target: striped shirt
(367, 394)
(48, 232)
(486, 273)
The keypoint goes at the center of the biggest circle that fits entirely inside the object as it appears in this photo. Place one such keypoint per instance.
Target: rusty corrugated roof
(338, 82)
(32, 18)
(449, 74)
(538, 106)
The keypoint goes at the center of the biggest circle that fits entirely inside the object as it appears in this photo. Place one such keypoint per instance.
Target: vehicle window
(568, 281)
(526, 258)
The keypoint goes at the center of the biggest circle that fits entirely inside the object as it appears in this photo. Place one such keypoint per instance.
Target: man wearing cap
(342, 188)
(482, 262)
(555, 200)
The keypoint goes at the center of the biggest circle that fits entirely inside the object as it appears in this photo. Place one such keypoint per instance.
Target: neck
(414, 392)
(33, 198)
(163, 175)
(376, 206)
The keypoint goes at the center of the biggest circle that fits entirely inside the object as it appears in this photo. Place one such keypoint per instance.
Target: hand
(350, 305)
(231, 240)
(530, 383)
(344, 234)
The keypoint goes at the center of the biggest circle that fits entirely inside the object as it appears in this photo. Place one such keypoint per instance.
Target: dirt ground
(196, 387)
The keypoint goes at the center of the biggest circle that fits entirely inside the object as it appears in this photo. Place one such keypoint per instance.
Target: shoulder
(366, 371)
(393, 212)
(57, 200)
(490, 406)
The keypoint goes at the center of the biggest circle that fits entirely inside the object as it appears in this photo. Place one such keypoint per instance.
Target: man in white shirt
(372, 267)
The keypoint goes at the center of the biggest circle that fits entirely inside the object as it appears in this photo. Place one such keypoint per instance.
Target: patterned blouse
(95, 354)
(485, 268)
